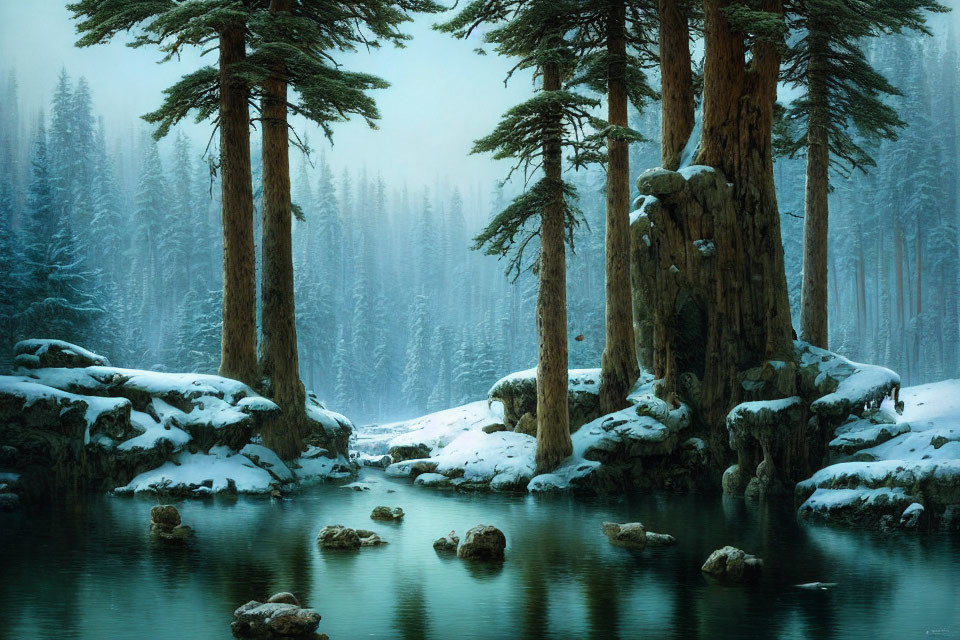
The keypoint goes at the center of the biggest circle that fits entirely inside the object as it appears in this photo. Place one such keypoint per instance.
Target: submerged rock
(633, 535)
(447, 544)
(369, 538)
(911, 516)
(274, 620)
(730, 564)
(394, 514)
(483, 542)
(817, 586)
(9, 502)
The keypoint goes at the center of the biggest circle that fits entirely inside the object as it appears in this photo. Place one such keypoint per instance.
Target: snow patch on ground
(437, 430)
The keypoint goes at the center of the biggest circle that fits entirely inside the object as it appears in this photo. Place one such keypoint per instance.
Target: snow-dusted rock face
(41, 354)
(892, 471)
(518, 393)
(84, 423)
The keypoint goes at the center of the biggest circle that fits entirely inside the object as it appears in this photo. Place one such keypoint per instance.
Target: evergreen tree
(416, 386)
(842, 88)
(535, 133)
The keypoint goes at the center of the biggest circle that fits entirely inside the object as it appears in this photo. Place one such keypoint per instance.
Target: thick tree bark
(813, 291)
(553, 417)
(238, 345)
(279, 366)
(676, 73)
(619, 370)
(749, 322)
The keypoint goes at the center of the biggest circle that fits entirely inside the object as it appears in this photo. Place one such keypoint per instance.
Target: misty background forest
(112, 240)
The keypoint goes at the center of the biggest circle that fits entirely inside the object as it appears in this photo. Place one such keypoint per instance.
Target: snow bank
(842, 386)
(915, 455)
(423, 436)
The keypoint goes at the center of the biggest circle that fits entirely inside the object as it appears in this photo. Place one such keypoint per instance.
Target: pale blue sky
(442, 96)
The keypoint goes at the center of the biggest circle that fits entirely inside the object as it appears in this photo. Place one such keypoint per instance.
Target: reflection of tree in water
(410, 612)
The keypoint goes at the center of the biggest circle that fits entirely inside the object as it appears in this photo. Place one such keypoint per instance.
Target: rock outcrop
(483, 542)
(73, 421)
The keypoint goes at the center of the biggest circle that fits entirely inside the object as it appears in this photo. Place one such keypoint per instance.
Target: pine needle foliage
(843, 92)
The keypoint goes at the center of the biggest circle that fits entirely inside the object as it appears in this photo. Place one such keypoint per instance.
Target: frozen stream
(90, 570)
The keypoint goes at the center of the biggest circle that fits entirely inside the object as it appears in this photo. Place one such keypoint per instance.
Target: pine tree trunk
(676, 73)
(279, 366)
(238, 355)
(619, 370)
(736, 138)
(553, 418)
(813, 292)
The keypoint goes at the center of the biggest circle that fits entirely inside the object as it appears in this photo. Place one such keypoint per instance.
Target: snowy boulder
(857, 434)
(329, 430)
(222, 470)
(839, 387)
(41, 354)
(765, 433)
(855, 507)
(911, 516)
(411, 468)
(483, 542)
(518, 393)
(659, 182)
(393, 514)
(273, 621)
(733, 565)
(447, 544)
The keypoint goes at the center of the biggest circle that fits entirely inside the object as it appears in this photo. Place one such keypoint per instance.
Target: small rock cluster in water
(280, 617)
(165, 523)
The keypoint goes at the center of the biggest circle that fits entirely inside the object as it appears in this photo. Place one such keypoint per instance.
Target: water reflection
(90, 570)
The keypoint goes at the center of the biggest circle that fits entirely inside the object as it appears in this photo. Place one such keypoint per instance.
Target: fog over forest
(396, 315)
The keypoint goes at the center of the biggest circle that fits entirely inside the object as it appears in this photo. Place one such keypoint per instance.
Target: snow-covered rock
(911, 464)
(841, 387)
(518, 393)
(86, 423)
(39, 354)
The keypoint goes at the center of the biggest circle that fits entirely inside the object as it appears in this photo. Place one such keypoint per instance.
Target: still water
(90, 570)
